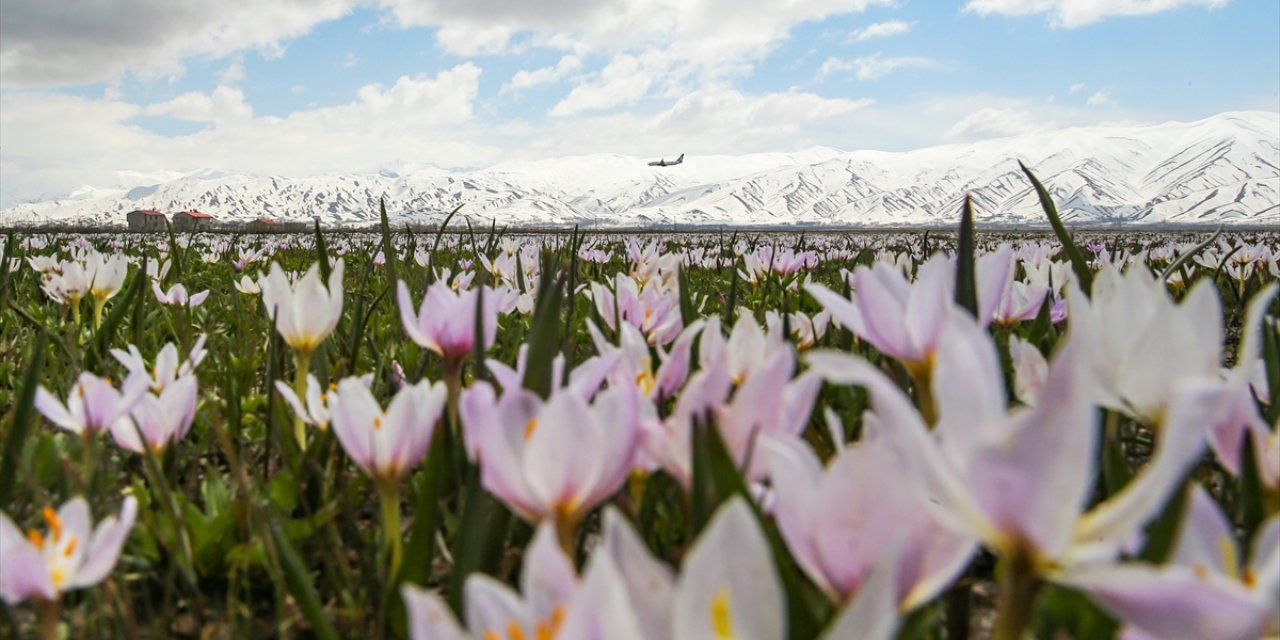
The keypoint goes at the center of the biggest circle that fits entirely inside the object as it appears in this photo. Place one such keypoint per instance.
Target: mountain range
(1221, 170)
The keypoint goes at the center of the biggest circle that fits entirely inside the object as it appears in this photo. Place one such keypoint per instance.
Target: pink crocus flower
(727, 588)
(159, 418)
(445, 322)
(1206, 592)
(904, 320)
(652, 307)
(386, 444)
(71, 554)
(177, 296)
(93, 404)
(167, 367)
(768, 403)
(555, 459)
(840, 521)
(492, 609)
(1021, 479)
(315, 410)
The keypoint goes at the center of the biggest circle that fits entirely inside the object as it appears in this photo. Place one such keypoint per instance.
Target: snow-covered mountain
(1224, 169)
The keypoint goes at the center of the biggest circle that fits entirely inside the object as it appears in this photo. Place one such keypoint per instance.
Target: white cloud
(525, 79)
(53, 142)
(44, 44)
(224, 103)
(993, 123)
(623, 81)
(1077, 13)
(1101, 98)
(350, 61)
(709, 33)
(881, 30)
(875, 66)
(1075, 88)
(234, 72)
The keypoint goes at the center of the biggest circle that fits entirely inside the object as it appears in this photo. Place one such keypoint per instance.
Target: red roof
(196, 214)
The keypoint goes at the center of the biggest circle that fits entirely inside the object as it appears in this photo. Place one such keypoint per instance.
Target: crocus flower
(840, 521)
(446, 321)
(651, 307)
(93, 404)
(1207, 591)
(248, 286)
(106, 278)
(385, 445)
(71, 554)
(177, 296)
(167, 368)
(1021, 479)
(315, 411)
(904, 320)
(305, 312)
(555, 459)
(159, 418)
(494, 610)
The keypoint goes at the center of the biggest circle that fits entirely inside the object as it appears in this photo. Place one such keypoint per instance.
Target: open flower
(554, 460)
(385, 445)
(1207, 592)
(177, 296)
(70, 554)
(494, 610)
(159, 418)
(305, 312)
(840, 521)
(166, 369)
(93, 404)
(446, 321)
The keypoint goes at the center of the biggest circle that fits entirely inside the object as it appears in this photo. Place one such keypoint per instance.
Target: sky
(120, 93)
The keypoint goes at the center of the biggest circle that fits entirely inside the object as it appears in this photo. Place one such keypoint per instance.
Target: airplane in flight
(664, 163)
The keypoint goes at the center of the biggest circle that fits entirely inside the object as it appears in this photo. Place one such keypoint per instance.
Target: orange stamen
(530, 427)
(55, 523)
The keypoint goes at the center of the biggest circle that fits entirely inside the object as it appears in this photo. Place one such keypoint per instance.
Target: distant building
(192, 221)
(146, 220)
(263, 224)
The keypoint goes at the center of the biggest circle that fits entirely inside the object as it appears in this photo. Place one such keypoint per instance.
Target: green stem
(302, 362)
(922, 379)
(1019, 588)
(389, 495)
(98, 304)
(75, 311)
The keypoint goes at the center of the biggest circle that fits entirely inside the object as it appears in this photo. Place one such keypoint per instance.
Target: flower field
(495, 435)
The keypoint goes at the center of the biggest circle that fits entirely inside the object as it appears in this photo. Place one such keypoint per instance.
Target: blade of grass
(1078, 264)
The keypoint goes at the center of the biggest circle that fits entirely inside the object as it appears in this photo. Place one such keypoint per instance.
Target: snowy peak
(1224, 169)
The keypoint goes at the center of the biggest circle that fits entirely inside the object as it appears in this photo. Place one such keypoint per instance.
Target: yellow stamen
(721, 623)
(58, 576)
(1230, 559)
(55, 523)
(514, 632)
(377, 423)
(530, 427)
(547, 630)
(492, 635)
(36, 538)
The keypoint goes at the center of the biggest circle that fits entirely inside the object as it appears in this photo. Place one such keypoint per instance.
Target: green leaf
(544, 332)
(1078, 264)
(322, 253)
(22, 417)
(479, 539)
(966, 260)
(1182, 259)
(1253, 501)
(427, 491)
(687, 314)
(1162, 533)
(298, 580)
(388, 245)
